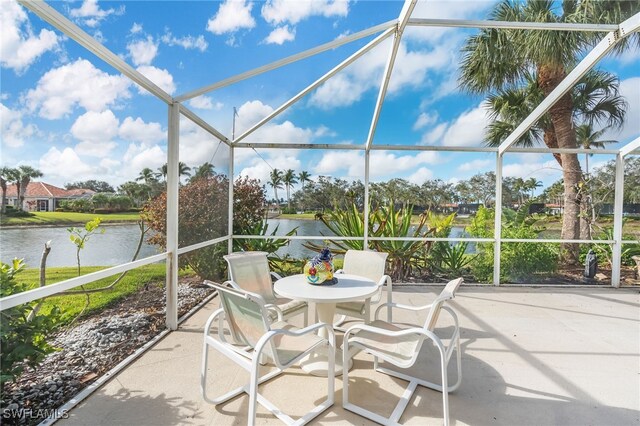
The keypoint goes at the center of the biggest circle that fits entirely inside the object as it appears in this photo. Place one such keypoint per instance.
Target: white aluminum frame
(60, 22)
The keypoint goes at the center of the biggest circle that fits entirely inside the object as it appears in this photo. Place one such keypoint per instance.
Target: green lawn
(71, 305)
(68, 218)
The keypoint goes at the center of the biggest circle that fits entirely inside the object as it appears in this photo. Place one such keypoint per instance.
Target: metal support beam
(617, 222)
(293, 58)
(497, 225)
(205, 126)
(272, 145)
(373, 43)
(549, 26)
(630, 147)
(565, 85)
(173, 181)
(52, 16)
(365, 209)
(405, 13)
(230, 206)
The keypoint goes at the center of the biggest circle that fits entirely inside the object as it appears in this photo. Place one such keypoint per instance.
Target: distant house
(44, 197)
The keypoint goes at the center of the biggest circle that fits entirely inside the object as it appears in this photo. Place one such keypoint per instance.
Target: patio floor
(543, 356)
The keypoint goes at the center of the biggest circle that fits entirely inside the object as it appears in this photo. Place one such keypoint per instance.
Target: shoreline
(65, 224)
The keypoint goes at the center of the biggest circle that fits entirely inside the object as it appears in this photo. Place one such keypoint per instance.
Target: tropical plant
(289, 179)
(605, 251)
(275, 181)
(183, 170)
(267, 245)
(5, 173)
(22, 177)
(519, 262)
(22, 339)
(384, 221)
(501, 60)
(304, 177)
(451, 259)
(205, 170)
(148, 176)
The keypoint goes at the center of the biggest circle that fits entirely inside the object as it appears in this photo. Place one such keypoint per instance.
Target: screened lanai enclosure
(374, 65)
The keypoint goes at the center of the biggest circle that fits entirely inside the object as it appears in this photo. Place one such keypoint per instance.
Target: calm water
(119, 242)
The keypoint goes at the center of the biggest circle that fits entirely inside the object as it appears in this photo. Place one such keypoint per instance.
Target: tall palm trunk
(562, 118)
(18, 191)
(3, 186)
(288, 196)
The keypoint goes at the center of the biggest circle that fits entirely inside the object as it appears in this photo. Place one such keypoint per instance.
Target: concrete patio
(543, 356)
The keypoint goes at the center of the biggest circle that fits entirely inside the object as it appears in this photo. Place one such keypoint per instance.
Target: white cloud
(280, 35)
(547, 171)
(630, 89)
(90, 13)
(79, 83)
(64, 165)
(466, 130)
(187, 42)
(13, 132)
(286, 132)
(135, 28)
(138, 131)
(143, 52)
(20, 47)
(425, 119)
(205, 102)
(410, 70)
(279, 11)
(161, 77)
(474, 165)
(383, 164)
(95, 128)
(232, 16)
(138, 157)
(260, 170)
(420, 176)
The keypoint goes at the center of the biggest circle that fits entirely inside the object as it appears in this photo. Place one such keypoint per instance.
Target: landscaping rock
(91, 348)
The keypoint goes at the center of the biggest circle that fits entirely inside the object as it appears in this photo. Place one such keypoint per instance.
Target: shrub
(203, 216)
(102, 211)
(519, 261)
(81, 205)
(23, 342)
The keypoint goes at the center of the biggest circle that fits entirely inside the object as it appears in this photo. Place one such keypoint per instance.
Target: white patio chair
(400, 346)
(368, 264)
(255, 336)
(250, 271)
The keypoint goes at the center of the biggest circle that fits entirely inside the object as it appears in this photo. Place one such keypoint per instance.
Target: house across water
(44, 197)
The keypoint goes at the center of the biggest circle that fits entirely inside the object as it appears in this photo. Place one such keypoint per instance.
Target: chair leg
(203, 372)
(253, 392)
(306, 317)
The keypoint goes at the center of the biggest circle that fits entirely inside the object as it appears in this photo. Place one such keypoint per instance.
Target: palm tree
(588, 139)
(5, 176)
(497, 59)
(532, 184)
(303, 177)
(276, 183)
(204, 171)
(183, 170)
(22, 177)
(147, 176)
(289, 179)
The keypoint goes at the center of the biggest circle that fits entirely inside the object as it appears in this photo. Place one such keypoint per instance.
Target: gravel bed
(89, 349)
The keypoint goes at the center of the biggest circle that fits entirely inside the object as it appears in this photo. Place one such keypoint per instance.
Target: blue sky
(68, 114)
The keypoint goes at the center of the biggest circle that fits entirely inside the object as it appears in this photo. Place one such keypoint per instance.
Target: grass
(71, 305)
(68, 218)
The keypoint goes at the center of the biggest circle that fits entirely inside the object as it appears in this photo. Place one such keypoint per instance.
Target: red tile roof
(45, 190)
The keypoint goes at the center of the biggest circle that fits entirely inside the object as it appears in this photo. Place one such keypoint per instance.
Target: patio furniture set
(255, 312)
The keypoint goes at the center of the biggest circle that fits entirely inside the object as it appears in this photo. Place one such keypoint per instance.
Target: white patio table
(325, 297)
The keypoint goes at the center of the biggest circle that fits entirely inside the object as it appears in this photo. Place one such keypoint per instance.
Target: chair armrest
(276, 309)
(401, 306)
(385, 279)
(276, 276)
(295, 333)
